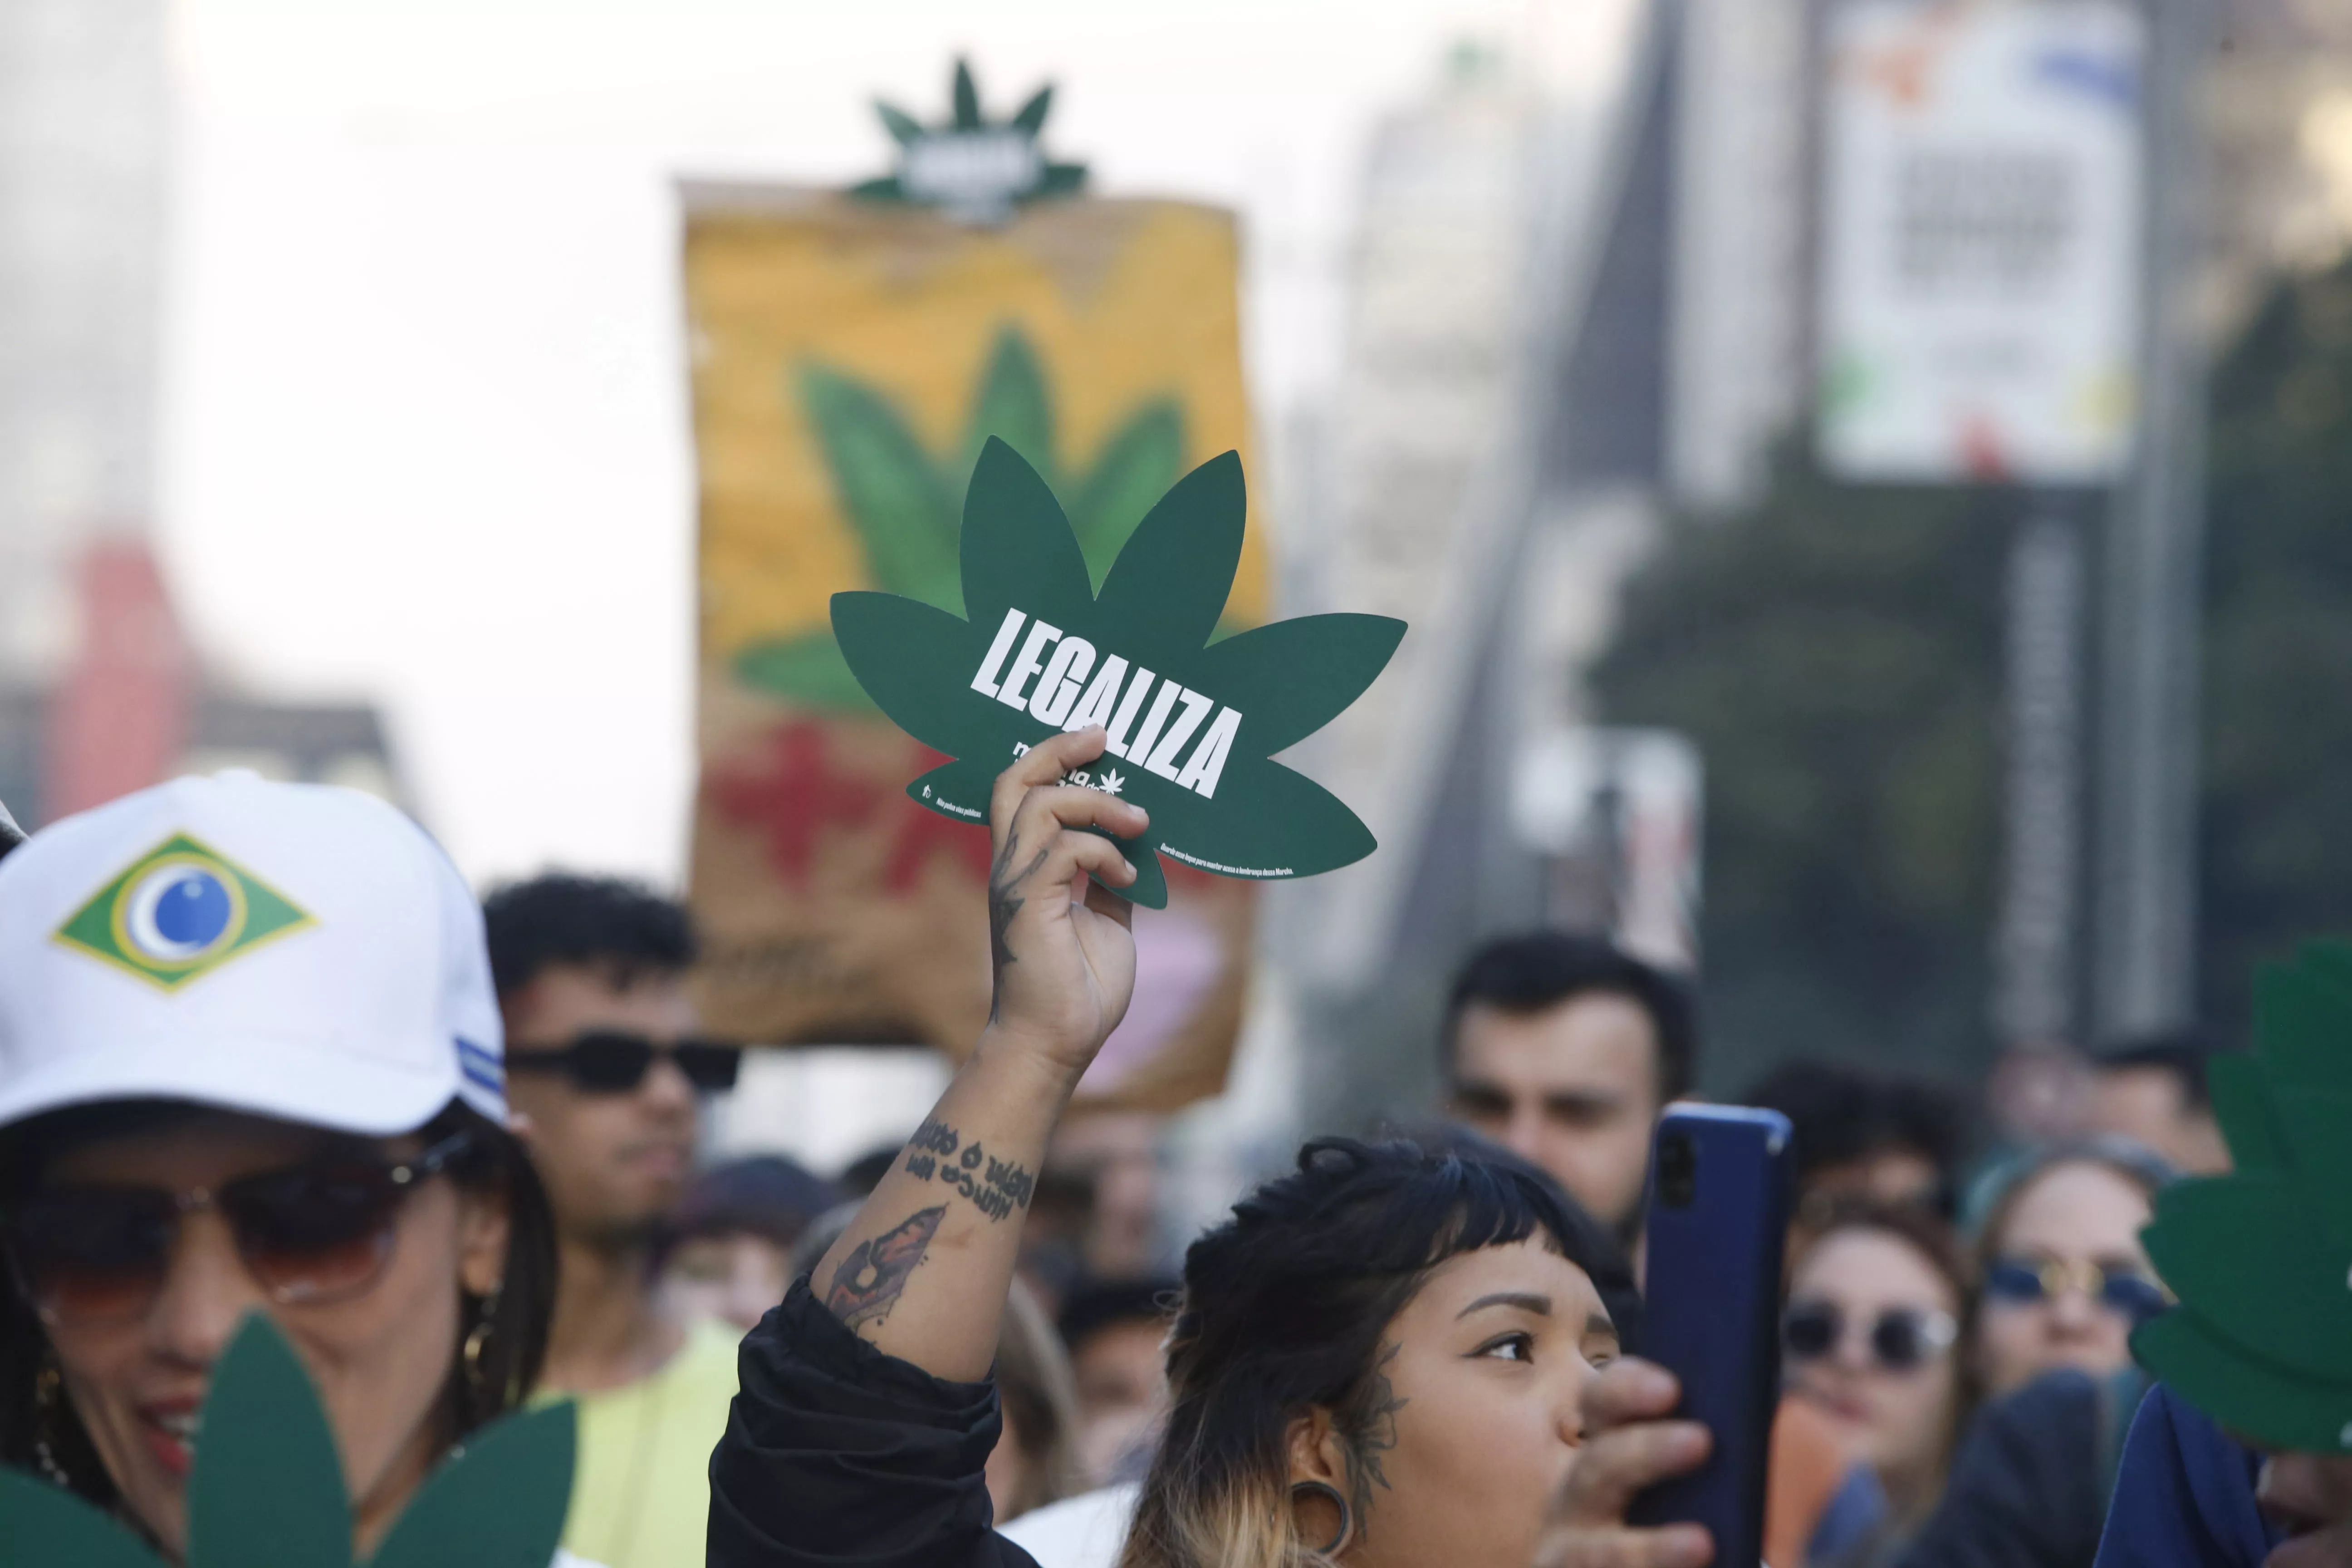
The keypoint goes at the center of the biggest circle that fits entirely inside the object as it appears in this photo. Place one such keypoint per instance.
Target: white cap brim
(276, 1079)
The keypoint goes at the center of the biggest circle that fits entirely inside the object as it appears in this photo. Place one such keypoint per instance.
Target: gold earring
(48, 1386)
(479, 1337)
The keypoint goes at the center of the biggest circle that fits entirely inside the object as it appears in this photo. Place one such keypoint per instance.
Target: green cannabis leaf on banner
(268, 1488)
(1192, 724)
(903, 502)
(2262, 1258)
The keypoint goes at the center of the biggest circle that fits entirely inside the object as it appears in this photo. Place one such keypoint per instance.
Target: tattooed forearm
(869, 1279)
(1007, 892)
(998, 1188)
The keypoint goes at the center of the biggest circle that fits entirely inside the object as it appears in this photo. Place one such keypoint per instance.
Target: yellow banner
(848, 361)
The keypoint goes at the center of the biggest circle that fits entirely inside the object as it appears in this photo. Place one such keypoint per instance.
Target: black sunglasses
(2126, 1291)
(606, 1061)
(88, 1253)
(1902, 1338)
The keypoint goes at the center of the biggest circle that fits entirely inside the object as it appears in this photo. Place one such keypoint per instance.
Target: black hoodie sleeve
(838, 1455)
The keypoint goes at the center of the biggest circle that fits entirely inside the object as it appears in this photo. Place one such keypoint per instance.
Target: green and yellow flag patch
(179, 912)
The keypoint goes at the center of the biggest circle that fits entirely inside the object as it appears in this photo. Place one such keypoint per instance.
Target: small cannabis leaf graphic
(2262, 1258)
(1196, 722)
(268, 1490)
(974, 171)
(902, 501)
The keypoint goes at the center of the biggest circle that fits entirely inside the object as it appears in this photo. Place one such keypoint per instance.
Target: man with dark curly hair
(606, 1063)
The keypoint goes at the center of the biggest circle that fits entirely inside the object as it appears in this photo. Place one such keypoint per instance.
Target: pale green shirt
(641, 1489)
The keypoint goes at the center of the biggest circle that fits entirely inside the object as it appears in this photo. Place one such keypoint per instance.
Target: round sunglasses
(1901, 1339)
(2122, 1289)
(87, 1253)
(610, 1061)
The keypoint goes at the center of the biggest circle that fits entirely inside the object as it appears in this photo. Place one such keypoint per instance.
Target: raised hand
(1629, 1444)
(923, 1271)
(1063, 955)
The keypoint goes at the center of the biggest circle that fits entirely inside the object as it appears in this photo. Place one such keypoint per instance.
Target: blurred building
(131, 706)
(2278, 111)
(101, 692)
(1494, 453)
(82, 123)
(1566, 321)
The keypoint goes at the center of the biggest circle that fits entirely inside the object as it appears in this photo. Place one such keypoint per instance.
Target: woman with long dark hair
(1378, 1360)
(250, 1061)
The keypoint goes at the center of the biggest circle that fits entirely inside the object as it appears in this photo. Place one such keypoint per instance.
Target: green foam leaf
(41, 1524)
(2304, 1022)
(1190, 723)
(1031, 116)
(268, 1490)
(1339, 655)
(499, 1504)
(2241, 1104)
(967, 99)
(2262, 1258)
(901, 125)
(1136, 466)
(905, 513)
(2282, 1407)
(2259, 1267)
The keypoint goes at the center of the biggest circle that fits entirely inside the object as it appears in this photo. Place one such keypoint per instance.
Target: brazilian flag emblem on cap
(179, 912)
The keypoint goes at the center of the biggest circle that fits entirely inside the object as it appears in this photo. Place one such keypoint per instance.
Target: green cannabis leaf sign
(1192, 724)
(268, 1488)
(973, 168)
(902, 502)
(2262, 1258)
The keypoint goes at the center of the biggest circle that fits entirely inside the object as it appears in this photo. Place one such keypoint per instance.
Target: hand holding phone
(1631, 1442)
(1717, 1219)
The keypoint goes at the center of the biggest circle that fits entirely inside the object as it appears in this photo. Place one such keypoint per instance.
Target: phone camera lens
(1677, 1170)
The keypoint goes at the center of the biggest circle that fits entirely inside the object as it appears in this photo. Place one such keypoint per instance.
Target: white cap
(294, 951)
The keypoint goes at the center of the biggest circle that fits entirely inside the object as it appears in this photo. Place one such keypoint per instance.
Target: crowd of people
(262, 1050)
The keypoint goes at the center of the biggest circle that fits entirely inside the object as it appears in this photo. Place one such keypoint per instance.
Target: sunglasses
(606, 1061)
(2022, 1282)
(1902, 1338)
(88, 1254)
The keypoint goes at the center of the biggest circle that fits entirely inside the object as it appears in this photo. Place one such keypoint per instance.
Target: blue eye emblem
(182, 912)
(177, 913)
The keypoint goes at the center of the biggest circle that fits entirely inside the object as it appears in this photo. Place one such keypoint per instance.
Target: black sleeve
(2027, 1489)
(838, 1454)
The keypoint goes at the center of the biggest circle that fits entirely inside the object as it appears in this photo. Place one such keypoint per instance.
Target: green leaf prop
(2262, 1258)
(902, 502)
(268, 1488)
(973, 168)
(268, 1491)
(1192, 723)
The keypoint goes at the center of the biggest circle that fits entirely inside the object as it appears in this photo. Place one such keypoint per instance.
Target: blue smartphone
(1719, 1194)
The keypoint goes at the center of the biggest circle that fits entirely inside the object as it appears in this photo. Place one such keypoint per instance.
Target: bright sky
(426, 423)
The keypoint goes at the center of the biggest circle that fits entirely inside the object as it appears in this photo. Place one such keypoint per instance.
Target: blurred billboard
(1983, 243)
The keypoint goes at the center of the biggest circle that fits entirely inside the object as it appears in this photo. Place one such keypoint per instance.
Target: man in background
(1114, 1331)
(2152, 1090)
(1565, 1049)
(605, 1064)
(1861, 1134)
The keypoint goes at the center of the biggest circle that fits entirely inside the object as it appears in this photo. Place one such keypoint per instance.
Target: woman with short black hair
(1378, 1360)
